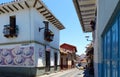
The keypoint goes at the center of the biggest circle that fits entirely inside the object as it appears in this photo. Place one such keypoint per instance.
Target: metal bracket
(41, 28)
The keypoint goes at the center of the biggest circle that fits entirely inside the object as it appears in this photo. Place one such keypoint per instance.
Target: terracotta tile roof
(69, 47)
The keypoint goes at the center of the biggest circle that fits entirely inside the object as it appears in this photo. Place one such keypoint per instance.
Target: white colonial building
(29, 38)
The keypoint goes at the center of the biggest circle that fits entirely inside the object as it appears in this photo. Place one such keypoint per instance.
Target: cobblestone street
(68, 73)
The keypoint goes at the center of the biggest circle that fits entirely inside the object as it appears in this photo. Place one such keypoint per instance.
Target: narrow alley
(59, 38)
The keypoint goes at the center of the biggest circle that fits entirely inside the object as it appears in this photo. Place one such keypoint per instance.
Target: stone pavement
(66, 73)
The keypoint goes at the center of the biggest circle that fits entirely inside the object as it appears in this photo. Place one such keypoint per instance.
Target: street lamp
(87, 38)
(46, 25)
(48, 34)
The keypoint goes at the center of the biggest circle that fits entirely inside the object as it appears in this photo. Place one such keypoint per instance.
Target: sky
(65, 12)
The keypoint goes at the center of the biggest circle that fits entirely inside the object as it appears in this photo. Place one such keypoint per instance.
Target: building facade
(29, 44)
(106, 38)
(67, 56)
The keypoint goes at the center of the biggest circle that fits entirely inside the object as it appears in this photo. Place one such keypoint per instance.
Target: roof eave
(22, 4)
(56, 23)
(84, 24)
(78, 13)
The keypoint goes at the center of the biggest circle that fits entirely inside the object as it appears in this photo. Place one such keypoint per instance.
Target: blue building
(105, 29)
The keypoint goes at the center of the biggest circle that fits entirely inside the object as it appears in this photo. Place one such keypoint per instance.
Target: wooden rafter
(88, 14)
(20, 5)
(43, 11)
(35, 3)
(88, 18)
(56, 25)
(52, 21)
(55, 22)
(5, 9)
(46, 14)
(87, 23)
(49, 16)
(40, 8)
(89, 10)
(2, 11)
(87, 5)
(10, 8)
(27, 4)
(15, 7)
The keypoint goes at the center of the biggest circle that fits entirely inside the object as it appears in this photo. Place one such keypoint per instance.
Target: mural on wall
(40, 56)
(40, 52)
(18, 56)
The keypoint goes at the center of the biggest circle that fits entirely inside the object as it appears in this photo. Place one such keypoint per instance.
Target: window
(12, 24)
(11, 30)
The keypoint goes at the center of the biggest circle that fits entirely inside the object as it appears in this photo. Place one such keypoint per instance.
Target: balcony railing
(10, 31)
(48, 35)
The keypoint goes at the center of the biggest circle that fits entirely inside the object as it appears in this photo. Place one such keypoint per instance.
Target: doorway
(61, 61)
(55, 60)
(47, 61)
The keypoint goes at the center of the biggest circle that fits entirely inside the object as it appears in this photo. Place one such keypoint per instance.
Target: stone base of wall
(24, 71)
(17, 71)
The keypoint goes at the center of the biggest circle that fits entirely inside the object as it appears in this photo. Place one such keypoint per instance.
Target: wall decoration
(18, 56)
(41, 51)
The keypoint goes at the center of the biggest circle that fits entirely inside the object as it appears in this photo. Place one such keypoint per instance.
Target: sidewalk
(57, 74)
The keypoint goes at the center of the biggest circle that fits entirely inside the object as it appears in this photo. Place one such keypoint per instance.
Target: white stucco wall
(23, 22)
(29, 21)
(39, 55)
(52, 57)
(58, 57)
(38, 19)
(39, 36)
